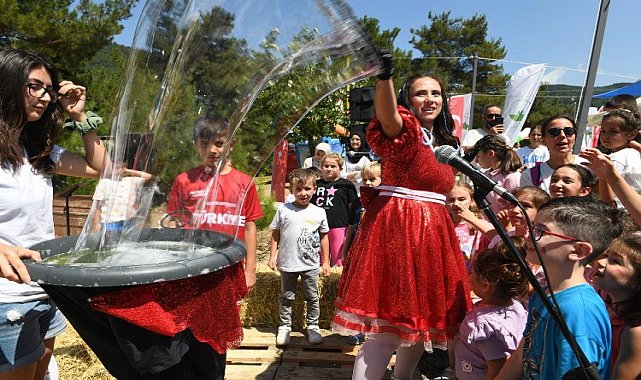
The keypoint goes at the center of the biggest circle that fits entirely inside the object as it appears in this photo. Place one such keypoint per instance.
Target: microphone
(446, 154)
(352, 154)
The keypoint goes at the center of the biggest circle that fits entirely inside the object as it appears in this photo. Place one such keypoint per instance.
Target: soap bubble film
(246, 72)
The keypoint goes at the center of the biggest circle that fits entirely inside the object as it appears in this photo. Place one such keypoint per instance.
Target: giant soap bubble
(252, 69)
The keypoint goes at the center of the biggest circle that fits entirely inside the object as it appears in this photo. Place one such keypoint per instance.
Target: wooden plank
(287, 371)
(262, 371)
(241, 355)
(300, 356)
(333, 342)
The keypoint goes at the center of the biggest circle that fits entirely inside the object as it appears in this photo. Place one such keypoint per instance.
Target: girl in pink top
(468, 224)
(492, 330)
(501, 163)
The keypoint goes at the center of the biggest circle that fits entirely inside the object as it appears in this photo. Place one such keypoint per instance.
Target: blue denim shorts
(23, 329)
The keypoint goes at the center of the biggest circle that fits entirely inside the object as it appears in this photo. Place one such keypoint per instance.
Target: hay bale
(260, 307)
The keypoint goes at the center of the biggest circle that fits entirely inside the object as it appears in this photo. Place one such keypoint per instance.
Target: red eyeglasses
(539, 231)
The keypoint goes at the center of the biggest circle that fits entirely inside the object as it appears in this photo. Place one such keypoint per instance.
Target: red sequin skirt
(404, 274)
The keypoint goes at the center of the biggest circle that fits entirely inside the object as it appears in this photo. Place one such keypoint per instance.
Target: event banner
(521, 91)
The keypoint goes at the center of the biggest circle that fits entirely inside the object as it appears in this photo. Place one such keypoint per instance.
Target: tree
(448, 46)
(67, 36)
(384, 39)
(550, 101)
(334, 109)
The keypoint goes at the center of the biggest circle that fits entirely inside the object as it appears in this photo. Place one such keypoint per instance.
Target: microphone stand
(586, 370)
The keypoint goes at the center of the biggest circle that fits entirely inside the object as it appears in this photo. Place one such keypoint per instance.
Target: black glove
(388, 64)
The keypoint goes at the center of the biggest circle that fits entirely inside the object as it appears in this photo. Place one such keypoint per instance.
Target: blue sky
(556, 32)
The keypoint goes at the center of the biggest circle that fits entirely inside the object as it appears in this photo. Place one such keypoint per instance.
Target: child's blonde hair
(373, 168)
(333, 156)
(301, 176)
(538, 195)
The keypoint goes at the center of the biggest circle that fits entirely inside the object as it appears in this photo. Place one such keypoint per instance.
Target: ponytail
(510, 162)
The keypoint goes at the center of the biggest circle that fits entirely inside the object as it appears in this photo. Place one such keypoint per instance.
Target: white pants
(375, 354)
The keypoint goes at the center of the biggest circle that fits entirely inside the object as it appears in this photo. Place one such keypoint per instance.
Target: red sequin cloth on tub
(405, 273)
(208, 304)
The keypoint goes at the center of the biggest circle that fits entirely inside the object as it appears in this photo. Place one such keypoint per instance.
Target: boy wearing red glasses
(568, 241)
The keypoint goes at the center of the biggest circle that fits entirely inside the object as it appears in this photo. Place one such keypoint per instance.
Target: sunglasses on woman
(568, 131)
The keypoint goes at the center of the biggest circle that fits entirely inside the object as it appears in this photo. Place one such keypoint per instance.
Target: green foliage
(552, 100)
(68, 37)
(268, 205)
(384, 39)
(448, 44)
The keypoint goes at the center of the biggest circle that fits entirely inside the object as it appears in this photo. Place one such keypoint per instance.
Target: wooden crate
(259, 358)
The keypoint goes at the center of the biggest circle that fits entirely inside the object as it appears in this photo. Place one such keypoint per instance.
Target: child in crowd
(570, 233)
(316, 172)
(468, 224)
(571, 180)
(299, 240)
(531, 198)
(618, 128)
(501, 164)
(315, 161)
(492, 330)
(618, 276)
(335, 195)
(371, 177)
(604, 168)
(119, 202)
(535, 151)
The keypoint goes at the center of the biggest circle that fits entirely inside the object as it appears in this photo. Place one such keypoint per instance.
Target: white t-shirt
(26, 218)
(474, 135)
(121, 199)
(529, 156)
(628, 163)
(299, 246)
(546, 175)
(349, 167)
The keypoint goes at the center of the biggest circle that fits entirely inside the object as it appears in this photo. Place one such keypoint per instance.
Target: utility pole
(475, 66)
(585, 98)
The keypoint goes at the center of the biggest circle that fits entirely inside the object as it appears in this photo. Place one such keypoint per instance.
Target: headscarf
(354, 158)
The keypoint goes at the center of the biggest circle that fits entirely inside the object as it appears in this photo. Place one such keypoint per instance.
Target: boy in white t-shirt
(299, 240)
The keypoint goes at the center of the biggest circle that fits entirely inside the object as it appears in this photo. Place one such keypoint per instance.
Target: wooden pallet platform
(258, 357)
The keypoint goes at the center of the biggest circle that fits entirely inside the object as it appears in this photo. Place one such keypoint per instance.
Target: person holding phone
(492, 125)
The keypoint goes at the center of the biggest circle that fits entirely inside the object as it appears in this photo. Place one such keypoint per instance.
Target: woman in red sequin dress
(404, 283)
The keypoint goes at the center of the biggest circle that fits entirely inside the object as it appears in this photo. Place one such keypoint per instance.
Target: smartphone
(497, 120)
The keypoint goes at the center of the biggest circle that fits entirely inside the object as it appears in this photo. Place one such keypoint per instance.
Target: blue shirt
(547, 354)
